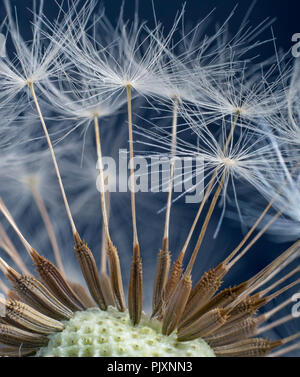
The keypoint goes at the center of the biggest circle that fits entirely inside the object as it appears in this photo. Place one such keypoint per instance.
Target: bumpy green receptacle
(99, 333)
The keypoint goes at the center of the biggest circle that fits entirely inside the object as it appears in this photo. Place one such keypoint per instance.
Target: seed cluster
(110, 333)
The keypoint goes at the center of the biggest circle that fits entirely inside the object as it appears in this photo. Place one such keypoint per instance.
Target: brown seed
(247, 348)
(242, 329)
(17, 351)
(176, 305)
(29, 318)
(206, 287)
(170, 286)
(55, 281)
(247, 307)
(135, 289)
(162, 271)
(221, 300)
(205, 325)
(89, 270)
(116, 276)
(12, 336)
(107, 289)
(82, 294)
(35, 294)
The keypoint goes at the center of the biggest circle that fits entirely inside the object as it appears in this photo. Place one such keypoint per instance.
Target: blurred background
(150, 221)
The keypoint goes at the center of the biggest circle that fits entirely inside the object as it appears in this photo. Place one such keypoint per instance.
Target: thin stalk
(102, 186)
(173, 152)
(250, 232)
(206, 196)
(205, 225)
(278, 282)
(32, 90)
(277, 308)
(268, 315)
(135, 289)
(115, 270)
(274, 324)
(131, 165)
(214, 200)
(164, 257)
(268, 273)
(285, 350)
(210, 185)
(253, 241)
(103, 266)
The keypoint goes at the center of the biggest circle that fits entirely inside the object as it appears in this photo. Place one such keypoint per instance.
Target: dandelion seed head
(97, 333)
(82, 70)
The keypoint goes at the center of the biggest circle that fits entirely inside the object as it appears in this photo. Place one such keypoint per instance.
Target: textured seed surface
(110, 333)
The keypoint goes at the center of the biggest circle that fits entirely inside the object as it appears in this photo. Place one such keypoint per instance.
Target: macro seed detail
(110, 333)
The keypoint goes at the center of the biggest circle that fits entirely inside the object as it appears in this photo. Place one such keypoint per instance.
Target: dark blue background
(287, 14)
